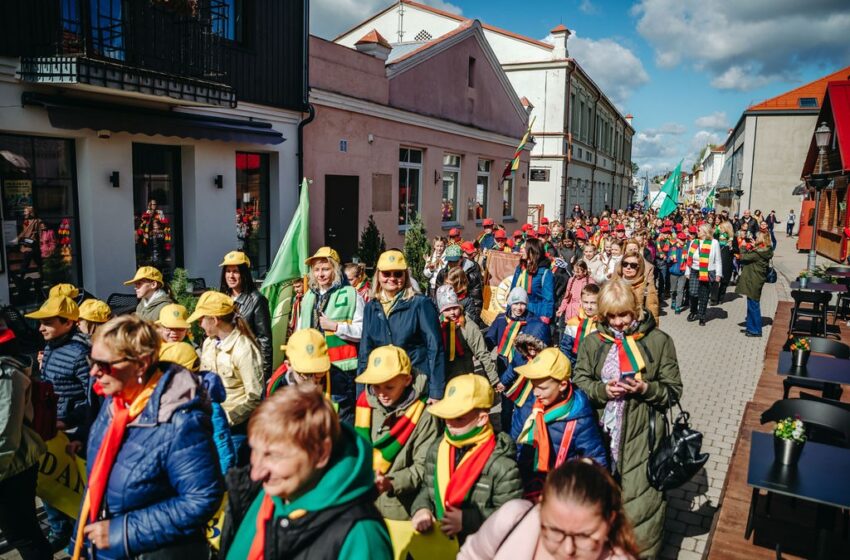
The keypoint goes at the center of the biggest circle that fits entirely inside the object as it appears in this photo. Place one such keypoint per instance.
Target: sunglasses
(633, 265)
(392, 273)
(104, 366)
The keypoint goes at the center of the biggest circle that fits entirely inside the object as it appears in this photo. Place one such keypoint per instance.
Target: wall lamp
(219, 181)
(114, 179)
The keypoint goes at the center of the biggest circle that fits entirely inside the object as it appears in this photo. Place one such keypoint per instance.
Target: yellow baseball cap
(57, 306)
(307, 352)
(212, 304)
(324, 253)
(146, 273)
(464, 393)
(95, 311)
(392, 260)
(173, 316)
(64, 290)
(385, 362)
(235, 258)
(180, 353)
(550, 362)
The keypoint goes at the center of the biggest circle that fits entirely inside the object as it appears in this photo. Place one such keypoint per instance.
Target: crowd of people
(524, 438)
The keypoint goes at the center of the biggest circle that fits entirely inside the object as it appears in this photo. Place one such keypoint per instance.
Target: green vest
(341, 306)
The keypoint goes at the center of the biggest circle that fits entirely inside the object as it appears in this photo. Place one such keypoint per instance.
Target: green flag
(670, 192)
(709, 200)
(288, 265)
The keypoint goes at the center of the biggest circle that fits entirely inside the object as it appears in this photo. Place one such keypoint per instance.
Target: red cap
(692, 229)
(668, 222)
(605, 228)
(620, 227)
(603, 222)
(678, 227)
(544, 221)
(510, 243)
(581, 234)
(666, 229)
(518, 233)
(543, 230)
(527, 227)
(500, 234)
(454, 232)
(531, 233)
(682, 236)
(487, 222)
(467, 247)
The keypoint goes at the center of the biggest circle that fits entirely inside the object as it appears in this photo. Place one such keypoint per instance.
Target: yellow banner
(407, 543)
(61, 477)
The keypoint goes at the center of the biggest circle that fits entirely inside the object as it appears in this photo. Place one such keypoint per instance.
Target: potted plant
(803, 278)
(800, 349)
(789, 436)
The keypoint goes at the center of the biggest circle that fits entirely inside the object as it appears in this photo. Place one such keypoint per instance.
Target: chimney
(629, 118)
(375, 45)
(560, 34)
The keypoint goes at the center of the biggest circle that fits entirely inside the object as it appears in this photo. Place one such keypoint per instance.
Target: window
(508, 197)
(156, 206)
(40, 225)
(470, 73)
(808, 102)
(482, 187)
(252, 208)
(228, 19)
(451, 186)
(409, 184)
(107, 28)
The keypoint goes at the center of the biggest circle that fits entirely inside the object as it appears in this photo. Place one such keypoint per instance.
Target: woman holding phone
(629, 371)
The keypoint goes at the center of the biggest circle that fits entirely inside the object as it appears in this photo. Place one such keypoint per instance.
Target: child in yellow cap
(152, 292)
(93, 313)
(171, 324)
(469, 472)
(391, 414)
(561, 425)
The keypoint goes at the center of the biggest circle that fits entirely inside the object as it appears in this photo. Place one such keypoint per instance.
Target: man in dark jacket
(63, 363)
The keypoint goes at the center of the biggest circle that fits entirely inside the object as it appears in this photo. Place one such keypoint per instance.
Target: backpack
(41, 409)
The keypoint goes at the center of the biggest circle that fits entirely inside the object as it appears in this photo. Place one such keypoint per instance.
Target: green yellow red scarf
(387, 447)
(452, 484)
(535, 433)
(524, 280)
(519, 391)
(584, 328)
(506, 344)
(628, 353)
(701, 250)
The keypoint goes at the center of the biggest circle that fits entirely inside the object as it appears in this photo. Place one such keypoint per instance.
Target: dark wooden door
(341, 197)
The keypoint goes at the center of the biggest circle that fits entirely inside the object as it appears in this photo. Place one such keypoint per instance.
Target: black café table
(819, 287)
(839, 271)
(819, 477)
(818, 368)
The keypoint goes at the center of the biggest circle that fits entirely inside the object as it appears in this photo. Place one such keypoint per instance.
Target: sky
(686, 69)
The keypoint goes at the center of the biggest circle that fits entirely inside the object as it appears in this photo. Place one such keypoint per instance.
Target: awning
(75, 114)
(800, 189)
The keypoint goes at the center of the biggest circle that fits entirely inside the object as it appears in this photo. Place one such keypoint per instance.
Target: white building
(583, 144)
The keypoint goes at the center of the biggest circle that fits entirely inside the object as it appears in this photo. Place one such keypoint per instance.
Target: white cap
(517, 295)
(446, 298)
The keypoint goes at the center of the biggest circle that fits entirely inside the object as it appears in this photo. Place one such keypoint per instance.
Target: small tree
(182, 290)
(372, 244)
(416, 249)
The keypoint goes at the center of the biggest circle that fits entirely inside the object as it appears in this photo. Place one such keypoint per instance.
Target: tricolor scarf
(585, 326)
(506, 344)
(451, 340)
(535, 433)
(387, 447)
(519, 391)
(628, 353)
(122, 414)
(524, 280)
(662, 247)
(701, 250)
(452, 484)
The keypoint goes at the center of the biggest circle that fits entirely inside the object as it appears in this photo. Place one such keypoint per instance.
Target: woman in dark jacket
(755, 262)
(237, 282)
(534, 276)
(397, 315)
(153, 471)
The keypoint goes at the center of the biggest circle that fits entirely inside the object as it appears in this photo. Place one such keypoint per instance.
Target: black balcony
(172, 48)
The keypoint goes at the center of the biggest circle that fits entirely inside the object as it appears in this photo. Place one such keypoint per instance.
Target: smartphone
(630, 375)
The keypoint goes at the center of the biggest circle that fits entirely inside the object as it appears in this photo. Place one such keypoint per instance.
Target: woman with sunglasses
(150, 455)
(400, 316)
(580, 515)
(629, 371)
(632, 269)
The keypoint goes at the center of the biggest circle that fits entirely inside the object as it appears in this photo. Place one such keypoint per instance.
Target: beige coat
(237, 360)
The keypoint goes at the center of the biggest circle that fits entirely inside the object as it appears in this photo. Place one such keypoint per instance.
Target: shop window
(409, 184)
(451, 186)
(252, 208)
(482, 188)
(40, 225)
(156, 206)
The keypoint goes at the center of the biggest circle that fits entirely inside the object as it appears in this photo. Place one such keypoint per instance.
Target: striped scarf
(663, 247)
(506, 344)
(524, 280)
(535, 433)
(451, 340)
(700, 250)
(628, 353)
(387, 447)
(584, 328)
(519, 391)
(452, 484)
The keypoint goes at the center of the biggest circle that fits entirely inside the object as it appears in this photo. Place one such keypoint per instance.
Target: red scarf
(263, 517)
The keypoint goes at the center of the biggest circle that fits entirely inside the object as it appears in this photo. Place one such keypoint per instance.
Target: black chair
(27, 334)
(122, 304)
(198, 284)
(841, 303)
(825, 422)
(812, 305)
(837, 350)
(811, 397)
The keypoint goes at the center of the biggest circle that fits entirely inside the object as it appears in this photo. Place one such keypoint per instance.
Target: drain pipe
(305, 77)
(311, 114)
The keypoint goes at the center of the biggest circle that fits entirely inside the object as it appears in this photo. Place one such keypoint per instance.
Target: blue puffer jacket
(541, 332)
(413, 325)
(541, 300)
(497, 330)
(165, 483)
(214, 387)
(64, 365)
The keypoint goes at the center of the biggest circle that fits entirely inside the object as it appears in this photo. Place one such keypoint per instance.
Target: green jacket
(473, 346)
(499, 483)
(20, 447)
(406, 470)
(643, 504)
(753, 272)
(150, 312)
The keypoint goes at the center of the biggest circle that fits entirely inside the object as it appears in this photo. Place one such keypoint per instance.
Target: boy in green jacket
(462, 338)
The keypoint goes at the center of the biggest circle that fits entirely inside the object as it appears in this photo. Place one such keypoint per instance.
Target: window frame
(508, 186)
(485, 174)
(454, 219)
(408, 165)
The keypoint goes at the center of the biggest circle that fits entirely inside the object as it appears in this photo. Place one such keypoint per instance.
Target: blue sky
(685, 69)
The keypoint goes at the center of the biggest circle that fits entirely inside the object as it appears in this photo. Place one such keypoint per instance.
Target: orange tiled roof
(791, 100)
(374, 37)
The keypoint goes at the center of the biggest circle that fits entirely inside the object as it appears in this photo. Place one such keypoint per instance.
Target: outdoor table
(819, 286)
(840, 271)
(820, 477)
(818, 368)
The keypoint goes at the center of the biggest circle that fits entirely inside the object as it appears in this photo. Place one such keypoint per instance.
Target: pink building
(408, 128)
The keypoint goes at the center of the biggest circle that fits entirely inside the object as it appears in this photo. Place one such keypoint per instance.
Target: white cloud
(714, 121)
(658, 152)
(666, 128)
(329, 18)
(614, 68)
(745, 45)
(587, 7)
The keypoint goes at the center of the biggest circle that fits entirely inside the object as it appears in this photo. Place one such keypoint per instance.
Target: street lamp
(739, 192)
(818, 181)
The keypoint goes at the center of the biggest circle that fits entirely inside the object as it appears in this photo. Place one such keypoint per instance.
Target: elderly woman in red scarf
(153, 473)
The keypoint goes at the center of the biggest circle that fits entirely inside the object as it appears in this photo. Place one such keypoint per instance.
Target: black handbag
(770, 277)
(677, 458)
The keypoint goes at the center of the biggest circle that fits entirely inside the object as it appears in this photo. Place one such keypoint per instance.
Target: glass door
(156, 206)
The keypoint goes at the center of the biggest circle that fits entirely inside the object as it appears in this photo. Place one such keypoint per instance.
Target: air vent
(423, 36)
